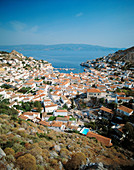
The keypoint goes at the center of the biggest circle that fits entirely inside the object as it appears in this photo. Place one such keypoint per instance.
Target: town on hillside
(97, 103)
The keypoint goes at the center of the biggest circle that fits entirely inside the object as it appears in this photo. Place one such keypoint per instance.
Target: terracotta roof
(61, 110)
(44, 123)
(23, 117)
(104, 140)
(28, 113)
(93, 90)
(125, 98)
(121, 93)
(56, 124)
(125, 109)
(52, 105)
(106, 109)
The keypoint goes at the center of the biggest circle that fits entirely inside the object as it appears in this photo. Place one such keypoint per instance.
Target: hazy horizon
(63, 44)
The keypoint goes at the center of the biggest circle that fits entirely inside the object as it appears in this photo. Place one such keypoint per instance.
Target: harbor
(66, 69)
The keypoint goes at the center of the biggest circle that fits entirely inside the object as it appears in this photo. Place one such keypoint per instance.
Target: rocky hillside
(26, 145)
(126, 55)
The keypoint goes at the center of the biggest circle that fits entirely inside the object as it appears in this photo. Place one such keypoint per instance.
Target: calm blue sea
(60, 59)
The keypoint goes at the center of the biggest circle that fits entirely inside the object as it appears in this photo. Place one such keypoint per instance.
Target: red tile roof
(61, 110)
(125, 109)
(93, 90)
(106, 109)
(23, 117)
(56, 124)
(44, 123)
(104, 140)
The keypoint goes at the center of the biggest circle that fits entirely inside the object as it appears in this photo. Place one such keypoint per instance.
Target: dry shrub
(46, 152)
(36, 151)
(26, 162)
(52, 134)
(45, 155)
(1, 120)
(10, 136)
(3, 166)
(41, 127)
(32, 124)
(22, 133)
(64, 153)
(3, 138)
(42, 144)
(10, 159)
(54, 164)
(49, 144)
(86, 152)
(39, 167)
(27, 146)
(90, 155)
(9, 151)
(18, 154)
(14, 129)
(64, 161)
(34, 145)
(4, 116)
(76, 161)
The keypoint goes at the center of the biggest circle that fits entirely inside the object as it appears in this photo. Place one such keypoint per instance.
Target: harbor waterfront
(60, 59)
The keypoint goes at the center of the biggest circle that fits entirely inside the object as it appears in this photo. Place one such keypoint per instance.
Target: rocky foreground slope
(26, 145)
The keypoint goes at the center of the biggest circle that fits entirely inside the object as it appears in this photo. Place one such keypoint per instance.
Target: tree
(122, 79)
(113, 105)
(93, 85)
(24, 90)
(118, 90)
(91, 124)
(102, 100)
(72, 104)
(51, 90)
(6, 86)
(26, 162)
(51, 118)
(4, 109)
(129, 129)
(38, 105)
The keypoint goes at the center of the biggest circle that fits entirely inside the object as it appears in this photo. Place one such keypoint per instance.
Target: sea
(61, 58)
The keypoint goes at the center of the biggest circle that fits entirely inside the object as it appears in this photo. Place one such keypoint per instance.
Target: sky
(108, 23)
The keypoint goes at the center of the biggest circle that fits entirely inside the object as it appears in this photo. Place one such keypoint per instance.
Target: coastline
(61, 59)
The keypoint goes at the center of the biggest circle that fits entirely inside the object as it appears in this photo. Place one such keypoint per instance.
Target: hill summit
(126, 55)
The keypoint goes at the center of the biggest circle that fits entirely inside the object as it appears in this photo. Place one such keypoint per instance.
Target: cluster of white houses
(55, 90)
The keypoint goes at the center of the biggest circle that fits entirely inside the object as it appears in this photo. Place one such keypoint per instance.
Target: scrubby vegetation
(31, 146)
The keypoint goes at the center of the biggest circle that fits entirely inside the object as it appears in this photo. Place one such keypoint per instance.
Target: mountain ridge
(73, 47)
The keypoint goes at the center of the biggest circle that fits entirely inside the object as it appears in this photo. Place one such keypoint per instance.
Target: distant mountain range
(61, 47)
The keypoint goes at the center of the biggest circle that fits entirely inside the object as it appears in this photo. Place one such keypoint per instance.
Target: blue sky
(97, 22)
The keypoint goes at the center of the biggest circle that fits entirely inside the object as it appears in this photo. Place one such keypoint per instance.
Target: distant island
(61, 47)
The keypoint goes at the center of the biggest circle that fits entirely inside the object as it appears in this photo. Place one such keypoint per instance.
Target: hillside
(126, 55)
(28, 145)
